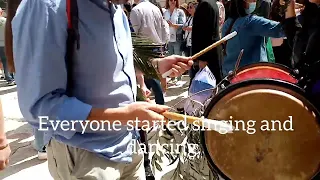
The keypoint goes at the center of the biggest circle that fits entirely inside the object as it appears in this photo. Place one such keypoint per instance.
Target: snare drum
(276, 154)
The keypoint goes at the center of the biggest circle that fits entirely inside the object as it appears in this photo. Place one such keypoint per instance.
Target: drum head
(276, 154)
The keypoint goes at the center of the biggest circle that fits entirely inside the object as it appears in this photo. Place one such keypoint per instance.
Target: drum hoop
(232, 87)
(274, 65)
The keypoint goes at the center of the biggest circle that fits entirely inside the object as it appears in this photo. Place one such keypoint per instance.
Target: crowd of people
(101, 82)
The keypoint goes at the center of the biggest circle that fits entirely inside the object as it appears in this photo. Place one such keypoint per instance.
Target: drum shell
(264, 70)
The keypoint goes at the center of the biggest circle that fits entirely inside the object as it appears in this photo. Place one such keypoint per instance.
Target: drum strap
(228, 32)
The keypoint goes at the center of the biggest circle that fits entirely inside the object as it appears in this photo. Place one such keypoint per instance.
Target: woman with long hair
(252, 31)
(175, 18)
(187, 27)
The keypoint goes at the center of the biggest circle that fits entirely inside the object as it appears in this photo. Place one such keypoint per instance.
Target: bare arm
(140, 77)
(291, 10)
(12, 6)
(5, 150)
(290, 25)
(2, 132)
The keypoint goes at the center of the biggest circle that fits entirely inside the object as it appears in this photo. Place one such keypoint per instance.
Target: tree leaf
(158, 166)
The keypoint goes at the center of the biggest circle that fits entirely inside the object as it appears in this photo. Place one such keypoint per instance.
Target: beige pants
(70, 163)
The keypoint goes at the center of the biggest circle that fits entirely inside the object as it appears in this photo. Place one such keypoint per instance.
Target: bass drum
(283, 152)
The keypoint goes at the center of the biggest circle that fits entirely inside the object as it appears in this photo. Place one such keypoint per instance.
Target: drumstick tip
(219, 126)
(231, 35)
(166, 74)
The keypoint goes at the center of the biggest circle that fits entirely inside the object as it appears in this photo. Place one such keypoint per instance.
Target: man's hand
(178, 64)
(187, 28)
(145, 111)
(4, 155)
(145, 91)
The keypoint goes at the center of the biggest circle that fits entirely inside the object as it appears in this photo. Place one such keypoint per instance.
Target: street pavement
(24, 163)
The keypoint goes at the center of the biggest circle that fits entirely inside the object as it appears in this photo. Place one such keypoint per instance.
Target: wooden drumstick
(224, 39)
(210, 124)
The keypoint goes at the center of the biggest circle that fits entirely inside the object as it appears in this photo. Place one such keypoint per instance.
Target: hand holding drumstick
(226, 38)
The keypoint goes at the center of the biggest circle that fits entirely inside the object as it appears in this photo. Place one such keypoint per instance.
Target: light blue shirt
(252, 31)
(104, 75)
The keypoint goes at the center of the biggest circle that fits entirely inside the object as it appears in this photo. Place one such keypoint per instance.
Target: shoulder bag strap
(72, 39)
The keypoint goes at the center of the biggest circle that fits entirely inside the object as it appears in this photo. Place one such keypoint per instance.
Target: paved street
(24, 163)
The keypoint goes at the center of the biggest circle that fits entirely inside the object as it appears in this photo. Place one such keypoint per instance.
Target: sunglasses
(190, 7)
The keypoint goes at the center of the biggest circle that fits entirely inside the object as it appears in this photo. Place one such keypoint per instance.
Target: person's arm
(135, 19)
(11, 8)
(260, 26)
(3, 139)
(39, 48)
(5, 150)
(140, 80)
(291, 25)
(186, 27)
(181, 20)
(39, 39)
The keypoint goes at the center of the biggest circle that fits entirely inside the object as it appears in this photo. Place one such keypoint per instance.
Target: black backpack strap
(73, 37)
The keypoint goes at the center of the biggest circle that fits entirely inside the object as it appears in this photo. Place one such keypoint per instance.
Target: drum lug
(296, 71)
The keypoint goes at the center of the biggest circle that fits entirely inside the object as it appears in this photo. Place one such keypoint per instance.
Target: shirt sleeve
(260, 26)
(39, 39)
(135, 20)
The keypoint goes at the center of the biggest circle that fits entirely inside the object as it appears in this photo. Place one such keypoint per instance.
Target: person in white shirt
(147, 20)
(176, 18)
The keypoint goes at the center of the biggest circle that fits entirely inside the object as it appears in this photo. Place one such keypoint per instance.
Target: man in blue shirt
(104, 88)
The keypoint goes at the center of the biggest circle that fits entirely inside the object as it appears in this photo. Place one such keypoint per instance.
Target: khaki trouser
(70, 163)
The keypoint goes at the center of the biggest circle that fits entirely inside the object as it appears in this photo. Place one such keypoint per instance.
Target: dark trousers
(7, 75)
(143, 138)
(155, 86)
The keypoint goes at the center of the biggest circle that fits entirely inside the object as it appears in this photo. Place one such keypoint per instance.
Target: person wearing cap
(184, 7)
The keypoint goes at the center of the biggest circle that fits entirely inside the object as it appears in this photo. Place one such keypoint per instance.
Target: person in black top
(282, 53)
(205, 31)
(304, 38)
